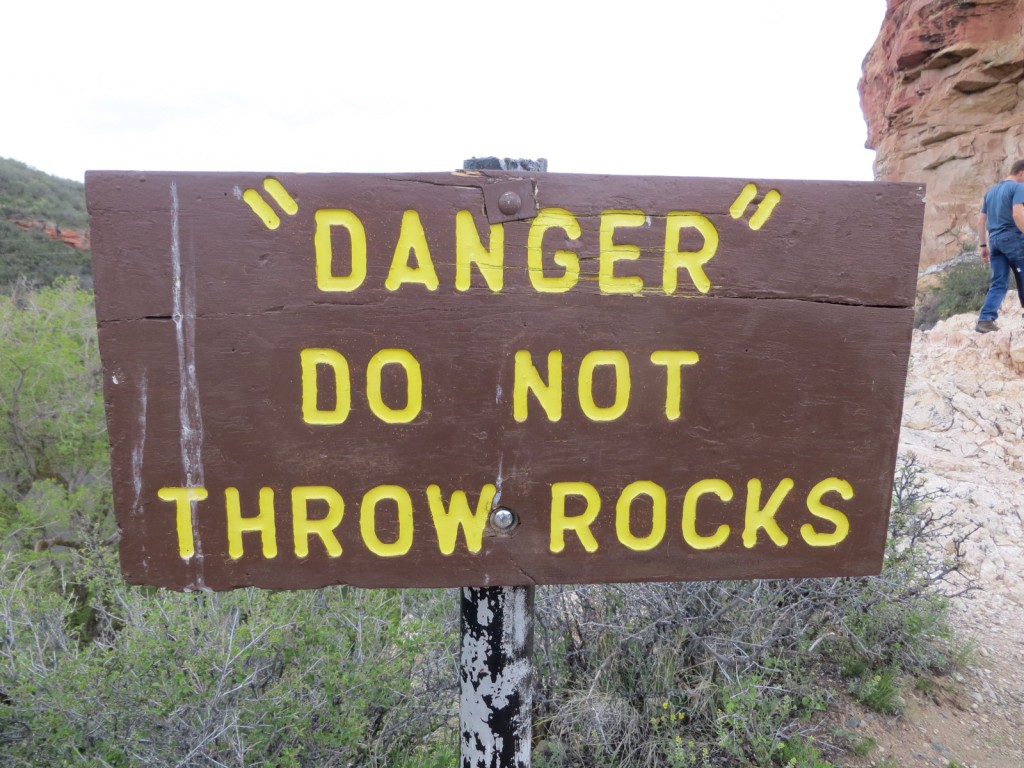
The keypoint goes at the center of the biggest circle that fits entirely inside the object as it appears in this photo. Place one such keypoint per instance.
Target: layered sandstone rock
(943, 96)
(73, 238)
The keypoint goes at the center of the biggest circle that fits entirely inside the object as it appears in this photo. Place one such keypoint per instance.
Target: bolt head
(510, 203)
(503, 519)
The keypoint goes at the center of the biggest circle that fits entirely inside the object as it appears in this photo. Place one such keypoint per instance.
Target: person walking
(1002, 221)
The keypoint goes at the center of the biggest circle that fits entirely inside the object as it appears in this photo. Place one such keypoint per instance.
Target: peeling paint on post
(496, 677)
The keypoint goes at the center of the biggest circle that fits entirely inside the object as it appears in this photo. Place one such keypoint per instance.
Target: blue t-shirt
(998, 207)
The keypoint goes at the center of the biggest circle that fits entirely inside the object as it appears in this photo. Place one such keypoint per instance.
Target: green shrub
(962, 290)
(800, 752)
(742, 662)
(880, 691)
(54, 468)
(328, 678)
(863, 746)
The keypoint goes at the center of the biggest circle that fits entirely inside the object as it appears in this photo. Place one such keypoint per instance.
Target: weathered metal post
(496, 667)
(496, 676)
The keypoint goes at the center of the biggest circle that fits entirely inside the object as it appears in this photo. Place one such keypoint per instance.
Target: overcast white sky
(744, 88)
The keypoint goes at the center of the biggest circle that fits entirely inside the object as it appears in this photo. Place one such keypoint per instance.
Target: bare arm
(983, 234)
(1018, 216)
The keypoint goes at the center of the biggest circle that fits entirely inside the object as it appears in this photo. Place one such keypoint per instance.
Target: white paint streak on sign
(184, 316)
(499, 480)
(139, 446)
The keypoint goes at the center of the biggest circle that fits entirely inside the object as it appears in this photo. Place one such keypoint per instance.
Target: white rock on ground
(963, 418)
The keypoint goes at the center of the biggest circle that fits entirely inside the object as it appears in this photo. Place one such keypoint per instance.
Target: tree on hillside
(54, 470)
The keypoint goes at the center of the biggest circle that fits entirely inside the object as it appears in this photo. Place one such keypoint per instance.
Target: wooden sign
(486, 378)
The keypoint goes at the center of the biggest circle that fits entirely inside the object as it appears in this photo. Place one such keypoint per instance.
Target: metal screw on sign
(504, 520)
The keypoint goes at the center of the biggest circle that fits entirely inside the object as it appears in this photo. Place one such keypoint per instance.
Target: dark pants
(1006, 257)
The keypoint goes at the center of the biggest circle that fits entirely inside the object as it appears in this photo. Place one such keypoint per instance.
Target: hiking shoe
(986, 326)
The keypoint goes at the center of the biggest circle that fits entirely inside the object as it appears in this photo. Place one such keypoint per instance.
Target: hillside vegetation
(31, 196)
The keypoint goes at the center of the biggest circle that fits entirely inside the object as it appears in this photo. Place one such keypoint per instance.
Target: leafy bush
(328, 678)
(880, 691)
(745, 663)
(802, 753)
(54, 469)
(962, 290)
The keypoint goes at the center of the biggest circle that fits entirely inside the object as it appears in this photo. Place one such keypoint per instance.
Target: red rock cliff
(79, 240)
(943, 96)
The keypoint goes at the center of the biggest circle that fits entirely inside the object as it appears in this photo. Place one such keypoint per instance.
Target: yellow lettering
(263, 522)
(413, 382)
(552, 218)
(585, 385)
(368, 520)
(623, 509)
(692, 261)
(758, 518)
(610, 252)
(528, 379)
(674, 360)
(458, 515)
(326, 280)
(834, 516)
(311, 413)
(578, 524)
(763, 211)
(412, 241)
(719, 488)
(183, 499)
(469, 250)
(303, 527)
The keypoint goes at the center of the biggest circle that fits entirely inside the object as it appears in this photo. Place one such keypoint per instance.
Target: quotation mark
(764, 208)
(262, 208)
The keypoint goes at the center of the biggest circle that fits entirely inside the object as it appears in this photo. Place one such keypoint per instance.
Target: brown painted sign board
(336, 378)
